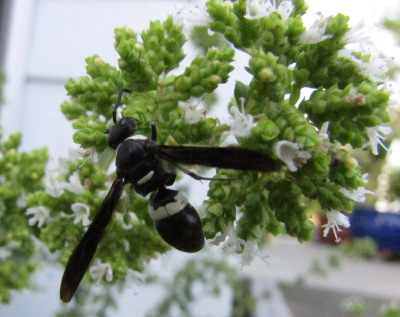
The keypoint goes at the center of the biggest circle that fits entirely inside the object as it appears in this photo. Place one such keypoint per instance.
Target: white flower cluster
(56, 187)
(233, 243)
(192, 114)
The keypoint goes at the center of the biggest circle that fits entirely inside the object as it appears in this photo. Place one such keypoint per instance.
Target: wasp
(151, 168)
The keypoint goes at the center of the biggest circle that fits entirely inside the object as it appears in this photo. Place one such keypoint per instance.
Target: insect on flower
(150, 168)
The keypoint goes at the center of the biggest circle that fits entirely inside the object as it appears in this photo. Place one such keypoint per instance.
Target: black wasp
(150, 168)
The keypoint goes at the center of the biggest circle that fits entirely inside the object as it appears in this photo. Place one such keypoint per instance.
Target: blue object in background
(383, 227)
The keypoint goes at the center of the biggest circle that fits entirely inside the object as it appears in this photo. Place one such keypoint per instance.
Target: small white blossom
(289, 152)
(74, 184)
(335, 219)
(21, 201)
(53, 186)
(5, 253)
(131, 217)
(242, 123)
(357, 195)
(256, 9)
(189, 15)
(316, 32)
(323, 136)
(376, 135)
(358, 33)
(375, 68)
(233, 242)
(41, 215)
(87, 154)
(82, 213)
(192, 114)
(285, 9)
(250, 250)
(99, 270)
(134, 278)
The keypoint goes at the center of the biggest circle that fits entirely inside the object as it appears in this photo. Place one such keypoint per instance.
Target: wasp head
(125, 128)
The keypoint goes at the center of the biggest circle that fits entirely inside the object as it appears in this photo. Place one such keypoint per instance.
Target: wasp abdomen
(177, 221)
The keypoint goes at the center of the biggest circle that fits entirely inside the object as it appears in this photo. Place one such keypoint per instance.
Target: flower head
(233, 242)
(323, 136)
(82, 213)
(192, 114)
(242, 123)
(335, 219)
(54, 187)
(250, 250)
(289, 152)
(89, 154)
(99, 270)
(316, 32)
(134, 278)
(376, 135)
(74, 184)
(357, 195)
(41, 215)
(256, 9)
(5, 253)
(189, 15)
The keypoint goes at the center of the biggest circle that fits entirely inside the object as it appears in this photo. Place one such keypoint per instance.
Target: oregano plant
(309, 135)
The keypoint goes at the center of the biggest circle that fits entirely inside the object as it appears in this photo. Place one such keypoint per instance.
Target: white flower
(375, 68)
(54, 187)
(190, 15)
(364, 178)
(250, 250)
(323, 136)
(256, 9)
(242, 123)
(5, 253)
(82, 213)
(41, 215)
(21, 201)
(233, 243)
(289, 152)
(99, 270)
(316, 32)
(376, 135)
(87, 154)
(192, 114)
(358, 35)
(130, 218)
(357, 195)
(335, 219)
(134, 278)
(74, 184)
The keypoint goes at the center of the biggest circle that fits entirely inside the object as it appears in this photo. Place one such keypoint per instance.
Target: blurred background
(44, 42)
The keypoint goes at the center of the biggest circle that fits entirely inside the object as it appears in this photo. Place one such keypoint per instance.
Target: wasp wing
(83, 253)
(238, 158)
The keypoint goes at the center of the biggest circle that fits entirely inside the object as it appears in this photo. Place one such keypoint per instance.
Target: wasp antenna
(118, 103)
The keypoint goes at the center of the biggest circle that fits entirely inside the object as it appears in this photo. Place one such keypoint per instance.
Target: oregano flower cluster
(307, 135)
